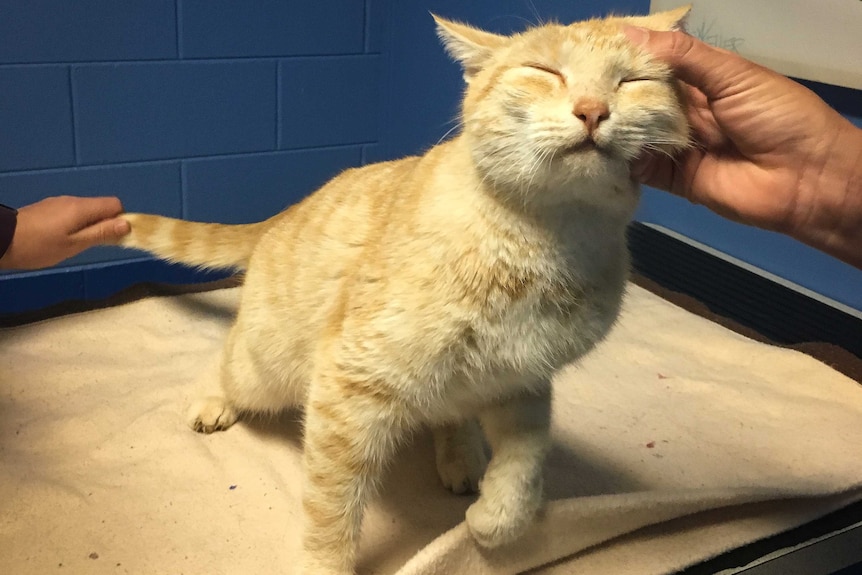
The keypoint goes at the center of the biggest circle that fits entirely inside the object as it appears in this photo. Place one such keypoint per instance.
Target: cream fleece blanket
(677, 440)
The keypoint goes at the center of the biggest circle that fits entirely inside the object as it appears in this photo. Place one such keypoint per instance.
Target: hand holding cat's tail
(193, 243)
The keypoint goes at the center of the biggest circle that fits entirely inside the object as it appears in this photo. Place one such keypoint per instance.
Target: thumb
(108, 231)
(713, 71)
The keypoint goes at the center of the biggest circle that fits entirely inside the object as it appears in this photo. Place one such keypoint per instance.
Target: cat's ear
(662, 21)
(470, 46)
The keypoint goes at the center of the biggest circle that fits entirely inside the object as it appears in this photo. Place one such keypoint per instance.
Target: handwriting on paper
(710, 33)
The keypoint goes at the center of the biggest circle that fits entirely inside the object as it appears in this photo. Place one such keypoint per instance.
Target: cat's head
(558, 111)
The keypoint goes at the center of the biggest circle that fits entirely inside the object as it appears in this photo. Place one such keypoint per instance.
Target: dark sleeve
(8, 221)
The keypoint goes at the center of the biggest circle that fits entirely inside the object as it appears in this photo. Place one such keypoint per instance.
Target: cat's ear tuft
(667, 21)
(470, 46)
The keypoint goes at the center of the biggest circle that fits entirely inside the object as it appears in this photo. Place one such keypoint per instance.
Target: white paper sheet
(816, 40)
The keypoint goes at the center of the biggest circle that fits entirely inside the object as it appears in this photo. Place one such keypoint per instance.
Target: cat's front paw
(462, 472)
(461, 458)
(211, 414)
(494, 522)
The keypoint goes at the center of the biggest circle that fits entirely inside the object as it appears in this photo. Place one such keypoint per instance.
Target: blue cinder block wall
(218, 110)
(230, 110)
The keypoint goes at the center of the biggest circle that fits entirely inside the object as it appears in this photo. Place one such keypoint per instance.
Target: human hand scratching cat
(768, 151)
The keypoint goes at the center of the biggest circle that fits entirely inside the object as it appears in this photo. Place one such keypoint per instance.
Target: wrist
(8, 224)
(833, 206)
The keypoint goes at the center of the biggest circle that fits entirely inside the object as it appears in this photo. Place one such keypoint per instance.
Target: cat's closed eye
(634, 80)
(546, 69)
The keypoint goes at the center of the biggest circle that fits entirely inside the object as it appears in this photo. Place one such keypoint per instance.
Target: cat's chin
(589, 162)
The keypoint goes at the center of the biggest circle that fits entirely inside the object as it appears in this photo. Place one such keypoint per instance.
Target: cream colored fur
(445, 289)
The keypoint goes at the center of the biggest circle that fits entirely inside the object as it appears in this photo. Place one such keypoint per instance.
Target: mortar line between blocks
(279, 136)
(366, 28)
(178, 21)
(75, 145)
(184, 212)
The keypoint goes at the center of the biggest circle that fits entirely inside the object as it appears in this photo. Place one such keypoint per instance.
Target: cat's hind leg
(218, 410)
(511, 491)
(248, 384)
(211, 413)
(460, 455)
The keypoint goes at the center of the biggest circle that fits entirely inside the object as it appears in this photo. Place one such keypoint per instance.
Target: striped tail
(192, 243)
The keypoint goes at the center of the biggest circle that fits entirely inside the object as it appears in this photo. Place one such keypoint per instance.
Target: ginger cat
(445, 289)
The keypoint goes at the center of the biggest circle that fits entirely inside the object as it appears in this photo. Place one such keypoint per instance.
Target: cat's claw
(211, 414)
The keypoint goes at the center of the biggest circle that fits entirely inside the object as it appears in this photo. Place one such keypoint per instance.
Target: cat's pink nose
(591, 112)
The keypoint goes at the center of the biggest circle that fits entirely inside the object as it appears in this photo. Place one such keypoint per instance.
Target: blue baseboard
(31, 291)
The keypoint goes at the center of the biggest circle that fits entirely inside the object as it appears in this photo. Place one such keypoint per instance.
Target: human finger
(712, 70)
(88, 211)
(108, 231)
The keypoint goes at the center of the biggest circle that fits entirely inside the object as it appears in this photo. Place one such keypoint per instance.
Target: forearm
(831, 217)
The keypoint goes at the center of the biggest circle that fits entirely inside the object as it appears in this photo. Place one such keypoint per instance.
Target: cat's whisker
(449, 131)
(532, 168)
(536, 15)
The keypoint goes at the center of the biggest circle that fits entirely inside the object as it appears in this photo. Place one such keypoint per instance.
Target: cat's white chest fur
(537, 318)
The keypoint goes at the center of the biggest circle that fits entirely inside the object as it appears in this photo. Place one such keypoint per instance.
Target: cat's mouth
(584, 147)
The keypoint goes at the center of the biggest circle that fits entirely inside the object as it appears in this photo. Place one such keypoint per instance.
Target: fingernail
(636, 35)
(122, 227)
